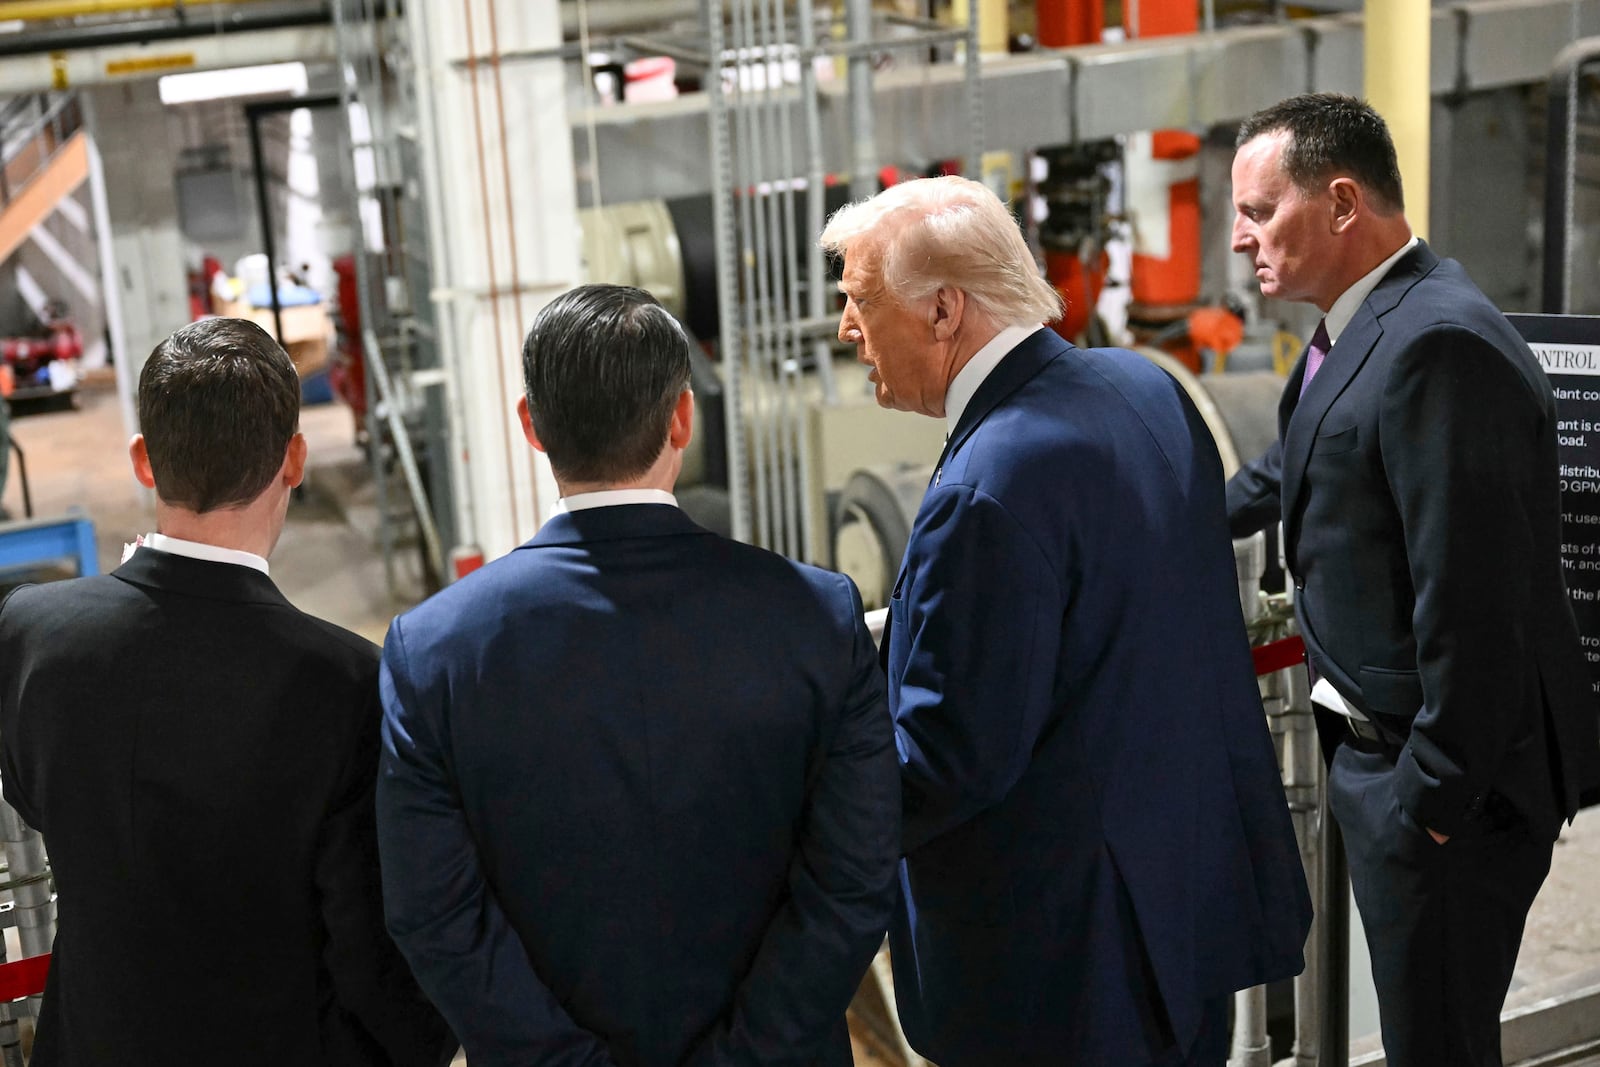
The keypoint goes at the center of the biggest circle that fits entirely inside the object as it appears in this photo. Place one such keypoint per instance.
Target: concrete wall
(129, 125)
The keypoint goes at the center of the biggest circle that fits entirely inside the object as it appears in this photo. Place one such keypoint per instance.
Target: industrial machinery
(44, 363)
(877, 503)
(664, 247)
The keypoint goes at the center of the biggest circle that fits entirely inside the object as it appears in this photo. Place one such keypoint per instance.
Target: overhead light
(273, 78)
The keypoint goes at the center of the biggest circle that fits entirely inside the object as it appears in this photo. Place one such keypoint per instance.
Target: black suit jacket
(200, 757)
(1418, 484)
(638, 802)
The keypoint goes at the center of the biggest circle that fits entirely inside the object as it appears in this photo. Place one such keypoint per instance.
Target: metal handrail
(62, 118)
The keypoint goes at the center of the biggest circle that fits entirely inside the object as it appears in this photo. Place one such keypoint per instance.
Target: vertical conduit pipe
(765, 296)
(1332, 936)
(863, 130)
(816, 200)
(778, 167)
(748, 299)
(444, 275)
(725, 228)
(787, 285)
(348, 81)
(518, 289)
(488, 253)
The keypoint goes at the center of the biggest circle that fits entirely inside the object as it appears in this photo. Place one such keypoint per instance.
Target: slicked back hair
(949, 231)
(1332, 134)
(219, 401)
(603, 367)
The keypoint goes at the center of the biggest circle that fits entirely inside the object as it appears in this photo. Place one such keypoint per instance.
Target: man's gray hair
(948, 233)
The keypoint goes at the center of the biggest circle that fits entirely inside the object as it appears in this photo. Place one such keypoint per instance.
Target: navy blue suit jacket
(1418, 484)
(1096, 838)
(638, 801)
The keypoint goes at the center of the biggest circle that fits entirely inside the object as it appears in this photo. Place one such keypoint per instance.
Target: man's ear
(681, 429)
(526, 418)
(1346, 204)
(141, 461)
(294, 461)
(945, 310)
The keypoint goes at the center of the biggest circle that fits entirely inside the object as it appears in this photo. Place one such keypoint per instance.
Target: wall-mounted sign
(1568, 348)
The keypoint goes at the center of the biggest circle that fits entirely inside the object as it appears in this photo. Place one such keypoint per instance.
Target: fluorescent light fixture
(238, 81)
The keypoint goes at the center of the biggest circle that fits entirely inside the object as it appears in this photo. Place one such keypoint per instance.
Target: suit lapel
(1018, 367)
(1300, 417)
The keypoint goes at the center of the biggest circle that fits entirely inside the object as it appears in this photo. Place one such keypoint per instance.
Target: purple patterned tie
(1316, 354)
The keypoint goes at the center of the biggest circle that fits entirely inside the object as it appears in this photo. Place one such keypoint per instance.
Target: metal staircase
(44, 158)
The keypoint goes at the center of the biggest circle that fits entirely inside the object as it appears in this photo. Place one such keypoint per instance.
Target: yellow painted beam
(38, 10)
(33, 203)
(1397, 40)
(994, 27)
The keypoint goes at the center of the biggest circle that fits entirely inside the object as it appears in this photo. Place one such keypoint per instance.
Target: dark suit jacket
(1092, 800)
(1422, 511)
(200, 757)
(638, 802)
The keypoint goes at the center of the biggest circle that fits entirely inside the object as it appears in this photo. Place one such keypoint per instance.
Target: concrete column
(1398, 38)
(503, 222)
(129, 125)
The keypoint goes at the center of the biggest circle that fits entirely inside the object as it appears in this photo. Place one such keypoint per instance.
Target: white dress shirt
(610, 498)
(197, 550)
(1344, 309)
(967, 380)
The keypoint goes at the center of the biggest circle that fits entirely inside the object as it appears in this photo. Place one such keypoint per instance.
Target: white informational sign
(1568, 348)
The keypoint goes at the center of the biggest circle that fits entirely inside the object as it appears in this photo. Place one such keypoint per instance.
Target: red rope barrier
(1276, 655)
(23, 978)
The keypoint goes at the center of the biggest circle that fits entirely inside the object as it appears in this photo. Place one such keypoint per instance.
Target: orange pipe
(1162, 18)
(1175, 278)
(1079, 286)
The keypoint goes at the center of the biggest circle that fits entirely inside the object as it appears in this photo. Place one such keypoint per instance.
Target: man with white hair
(1097, 850)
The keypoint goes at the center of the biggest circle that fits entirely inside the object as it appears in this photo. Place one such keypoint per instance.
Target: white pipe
(110, 290)
(124, 63)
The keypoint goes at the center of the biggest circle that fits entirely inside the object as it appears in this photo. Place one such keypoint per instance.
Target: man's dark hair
(1331, 134)
(603, 366)
(218, 402)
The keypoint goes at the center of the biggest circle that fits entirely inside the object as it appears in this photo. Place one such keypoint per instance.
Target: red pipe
(1064, 23)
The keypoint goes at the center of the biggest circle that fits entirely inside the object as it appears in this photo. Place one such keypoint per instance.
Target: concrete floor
(328, 563)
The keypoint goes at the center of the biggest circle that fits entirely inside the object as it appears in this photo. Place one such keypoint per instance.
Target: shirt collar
(1344, 309)
(610, 498)
(964, 386)
(197, 550)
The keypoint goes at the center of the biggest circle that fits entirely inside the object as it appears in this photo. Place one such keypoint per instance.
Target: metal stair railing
(33, 128)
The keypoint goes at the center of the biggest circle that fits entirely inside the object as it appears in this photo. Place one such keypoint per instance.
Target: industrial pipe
(1064, 23)
(1397, 37)
(40, 10)
(863, 130)
(91, 63)
(1162, 181)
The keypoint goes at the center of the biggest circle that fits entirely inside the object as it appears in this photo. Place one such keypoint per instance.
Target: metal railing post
(33, 908)
(1332, 935)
